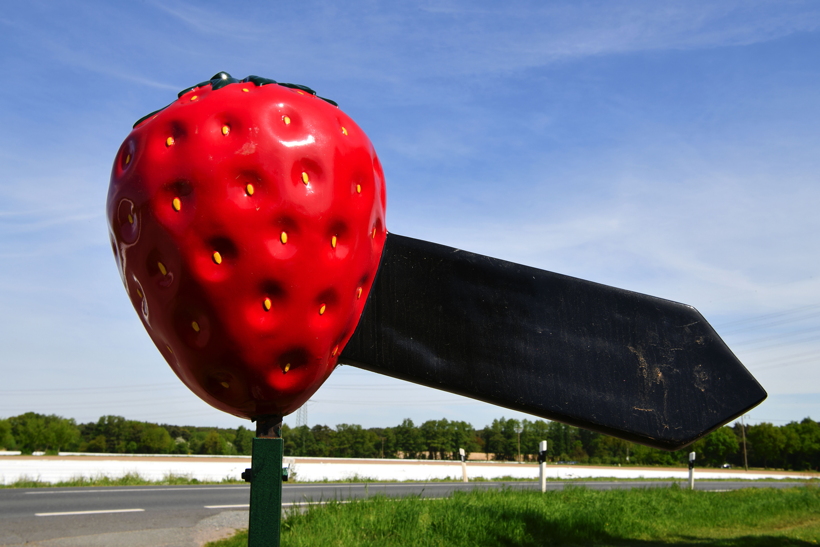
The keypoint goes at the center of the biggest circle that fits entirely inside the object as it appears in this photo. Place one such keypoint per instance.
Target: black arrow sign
(625, 364)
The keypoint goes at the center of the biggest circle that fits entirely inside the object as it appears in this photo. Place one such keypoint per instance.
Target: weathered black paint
(625, 364)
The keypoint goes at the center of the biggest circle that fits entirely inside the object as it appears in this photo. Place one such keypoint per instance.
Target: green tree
(531, 437)
(717, 447)
(323, 440)
(409, 441)
(352, 441)
(155, 439)
(97, 444)
(803, 445)
(64, 434)
(34, 432)
(117, 433)
(645, 455)
(561, 436)
(214, 444)
(768, 443)
(437, 442)
(609, 450)
(6, 438)
(387, 437)
(30, 432)
(463, 435)
(495, 442)
(243, 440)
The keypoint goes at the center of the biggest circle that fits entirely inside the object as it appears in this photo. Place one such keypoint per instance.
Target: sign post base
(265, 476)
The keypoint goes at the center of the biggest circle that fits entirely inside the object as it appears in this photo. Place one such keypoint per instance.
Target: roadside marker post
(691, 471)
(542, 464)
(463, 464)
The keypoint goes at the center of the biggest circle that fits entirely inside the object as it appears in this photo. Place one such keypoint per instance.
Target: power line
(808, 310)
(87, 389)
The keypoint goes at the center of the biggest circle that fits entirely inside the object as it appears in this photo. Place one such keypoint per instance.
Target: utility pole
(743, 435)
(518, 429)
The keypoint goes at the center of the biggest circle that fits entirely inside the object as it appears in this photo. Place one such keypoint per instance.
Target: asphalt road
(176, 516)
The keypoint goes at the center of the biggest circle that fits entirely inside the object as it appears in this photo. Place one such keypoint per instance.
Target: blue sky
(669, 148)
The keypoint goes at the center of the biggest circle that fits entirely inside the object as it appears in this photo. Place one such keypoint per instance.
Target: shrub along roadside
(794, 446)
(574, 516)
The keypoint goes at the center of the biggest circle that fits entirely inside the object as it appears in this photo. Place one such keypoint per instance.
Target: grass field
(574, 516)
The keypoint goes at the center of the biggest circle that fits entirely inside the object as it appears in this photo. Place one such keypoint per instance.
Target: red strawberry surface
(247, 220)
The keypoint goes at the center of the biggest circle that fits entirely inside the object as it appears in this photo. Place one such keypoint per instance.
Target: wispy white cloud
(212, 22)
(41, 221)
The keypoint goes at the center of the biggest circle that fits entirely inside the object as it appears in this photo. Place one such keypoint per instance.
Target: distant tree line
(793, 446)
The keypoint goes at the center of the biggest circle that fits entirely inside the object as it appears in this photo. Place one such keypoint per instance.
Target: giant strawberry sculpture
(247, 219)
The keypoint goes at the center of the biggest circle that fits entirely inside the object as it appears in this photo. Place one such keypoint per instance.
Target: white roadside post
(463, 464)
(542, 464)
(691, 471)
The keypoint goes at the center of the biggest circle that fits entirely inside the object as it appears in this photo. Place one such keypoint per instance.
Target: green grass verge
(134, 479)
(574, 516)
(130, 479)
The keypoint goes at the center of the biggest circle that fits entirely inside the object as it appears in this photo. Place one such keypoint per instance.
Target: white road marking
(89, 512)
(226, 506)
(106, 490)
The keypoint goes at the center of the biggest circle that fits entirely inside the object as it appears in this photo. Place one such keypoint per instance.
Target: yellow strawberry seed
(305, 177)
(267, 304)
(333, 242)
(195, 326)
(286, 367)
(249, 189)
(177, 204)
(130, 219)
(127, 159)
(217, 257)
(344, 131)
(225, 129)
(322, 309)
(226, 385)
(283, 237)
(139, 293)
(245, 89)
(358, 293)
(286, 119)
(169, 141)
(358, 188)
(162, 269)
(195, 97)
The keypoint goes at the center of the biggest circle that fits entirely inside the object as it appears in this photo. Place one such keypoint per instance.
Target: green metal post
(266, 483)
